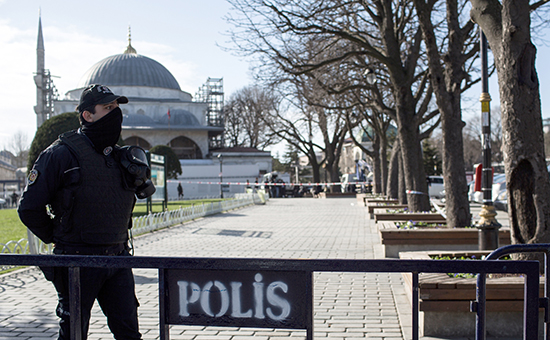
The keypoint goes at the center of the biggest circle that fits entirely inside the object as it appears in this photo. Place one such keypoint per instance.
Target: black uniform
(89, 213)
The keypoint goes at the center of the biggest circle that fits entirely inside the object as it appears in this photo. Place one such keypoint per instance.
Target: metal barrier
(219, 267)
(543, 301)
(151, 222)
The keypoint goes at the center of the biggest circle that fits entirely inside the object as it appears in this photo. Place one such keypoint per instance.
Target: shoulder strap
(76, 143)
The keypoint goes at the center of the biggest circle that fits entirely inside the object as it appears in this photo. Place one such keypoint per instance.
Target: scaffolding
(211, 93)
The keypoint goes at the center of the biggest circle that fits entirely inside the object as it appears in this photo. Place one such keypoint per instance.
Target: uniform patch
(33, 175)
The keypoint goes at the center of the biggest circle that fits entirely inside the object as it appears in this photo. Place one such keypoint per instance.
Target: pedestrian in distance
(180, 191)
(89, 185)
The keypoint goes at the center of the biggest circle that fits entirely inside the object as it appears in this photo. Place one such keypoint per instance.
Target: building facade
(158, 112)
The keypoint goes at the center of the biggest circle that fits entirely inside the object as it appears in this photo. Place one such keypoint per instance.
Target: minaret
(40, 108)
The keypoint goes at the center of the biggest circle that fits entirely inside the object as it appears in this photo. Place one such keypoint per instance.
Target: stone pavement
(346, 305)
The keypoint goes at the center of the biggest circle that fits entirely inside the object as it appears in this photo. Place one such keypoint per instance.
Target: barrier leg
(75, 307)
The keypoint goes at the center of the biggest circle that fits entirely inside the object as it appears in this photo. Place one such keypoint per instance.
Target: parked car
(501, 201)
(436, 186)
(499, 184)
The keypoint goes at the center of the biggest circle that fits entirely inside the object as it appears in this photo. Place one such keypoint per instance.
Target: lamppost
(488, 226)
(220, 158)
(296, 169)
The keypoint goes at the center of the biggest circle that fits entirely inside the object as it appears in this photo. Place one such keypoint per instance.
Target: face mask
(105, 132)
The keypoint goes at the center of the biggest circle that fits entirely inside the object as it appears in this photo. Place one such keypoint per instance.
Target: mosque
(159, 113)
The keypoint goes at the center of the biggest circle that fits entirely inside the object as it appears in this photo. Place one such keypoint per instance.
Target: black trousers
(114, 289)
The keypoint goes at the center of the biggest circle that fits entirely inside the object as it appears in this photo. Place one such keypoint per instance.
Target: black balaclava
(105, 132)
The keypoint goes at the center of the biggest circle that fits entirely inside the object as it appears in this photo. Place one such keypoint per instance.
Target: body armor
(93, 206)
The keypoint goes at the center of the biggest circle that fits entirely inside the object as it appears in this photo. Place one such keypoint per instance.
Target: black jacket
(87, 201)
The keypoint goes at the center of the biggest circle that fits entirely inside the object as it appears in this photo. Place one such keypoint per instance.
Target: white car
(436, 186)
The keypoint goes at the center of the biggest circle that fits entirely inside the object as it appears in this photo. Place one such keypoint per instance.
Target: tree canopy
(172, 162)
(48, 132)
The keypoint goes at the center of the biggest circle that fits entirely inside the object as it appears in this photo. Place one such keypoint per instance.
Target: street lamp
(220, 158)
(488, 226)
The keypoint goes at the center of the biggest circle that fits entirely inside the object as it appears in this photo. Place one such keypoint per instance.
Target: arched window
(134, 140)
(185, 148)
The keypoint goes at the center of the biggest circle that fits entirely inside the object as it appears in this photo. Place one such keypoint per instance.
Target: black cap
(98, 94)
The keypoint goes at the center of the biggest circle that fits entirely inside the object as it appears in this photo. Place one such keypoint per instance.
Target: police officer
(80, 197)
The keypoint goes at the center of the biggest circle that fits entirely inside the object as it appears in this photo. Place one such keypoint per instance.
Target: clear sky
(183, 35)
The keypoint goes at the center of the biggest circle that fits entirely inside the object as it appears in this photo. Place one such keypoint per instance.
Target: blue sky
(183, 35)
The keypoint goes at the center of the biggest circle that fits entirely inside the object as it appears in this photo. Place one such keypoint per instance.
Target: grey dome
(179, 117)
(129, 70)
(137, 120)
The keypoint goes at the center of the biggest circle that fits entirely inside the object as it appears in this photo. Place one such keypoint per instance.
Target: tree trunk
(507, 28)
(392, 187)
(402, 190)
(335, 178)
(446, 84)
(456, 188)
(383, 164)
(376, 167)
(413, 169)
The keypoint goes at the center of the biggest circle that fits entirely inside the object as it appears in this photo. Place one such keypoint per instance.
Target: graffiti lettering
(191, 294)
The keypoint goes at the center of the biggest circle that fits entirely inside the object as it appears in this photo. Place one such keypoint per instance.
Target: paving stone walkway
(346, 305)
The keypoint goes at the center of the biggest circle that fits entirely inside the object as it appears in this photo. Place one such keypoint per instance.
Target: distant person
(283, 188)
(14, 198)
(180, 191)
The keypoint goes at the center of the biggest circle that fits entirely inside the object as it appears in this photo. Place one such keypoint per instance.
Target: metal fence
(221, 266)
(144, 224)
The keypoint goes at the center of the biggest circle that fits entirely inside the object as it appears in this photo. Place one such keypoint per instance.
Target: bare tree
(247, 116)
(449, 53)
(380, 32)
(506, 24)
(313, 116)
(19, 146)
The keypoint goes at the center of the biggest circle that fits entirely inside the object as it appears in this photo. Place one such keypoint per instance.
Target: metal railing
(144, 224)
(479, 304)
(529, 268)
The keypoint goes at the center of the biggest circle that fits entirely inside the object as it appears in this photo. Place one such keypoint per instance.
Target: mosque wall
(164, 136)
(158, 111)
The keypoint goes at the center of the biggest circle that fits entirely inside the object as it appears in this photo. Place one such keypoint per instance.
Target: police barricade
(273, 293)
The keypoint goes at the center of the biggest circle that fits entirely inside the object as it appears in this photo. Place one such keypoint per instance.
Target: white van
(436, 186)
(346, 178)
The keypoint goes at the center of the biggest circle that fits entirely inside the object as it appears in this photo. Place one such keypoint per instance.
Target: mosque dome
(131, 119)
(179, 117)
(129, 69)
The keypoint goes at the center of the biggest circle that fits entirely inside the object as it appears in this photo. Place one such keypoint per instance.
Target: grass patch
(11, 227)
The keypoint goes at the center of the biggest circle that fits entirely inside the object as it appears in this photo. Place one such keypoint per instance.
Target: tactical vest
(96, 208)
